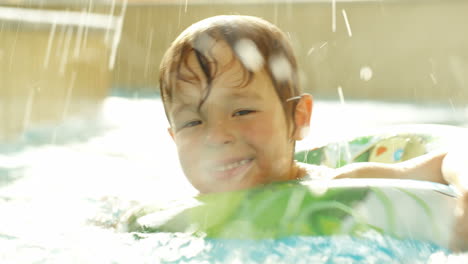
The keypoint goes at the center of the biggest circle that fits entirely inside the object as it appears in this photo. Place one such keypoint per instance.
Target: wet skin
(241, 137)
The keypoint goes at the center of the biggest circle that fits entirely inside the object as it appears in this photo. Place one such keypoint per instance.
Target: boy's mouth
(231, 169)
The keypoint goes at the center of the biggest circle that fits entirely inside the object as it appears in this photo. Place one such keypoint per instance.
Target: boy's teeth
(232, 165)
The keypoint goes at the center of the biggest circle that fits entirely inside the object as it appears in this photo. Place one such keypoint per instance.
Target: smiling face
(240, 136)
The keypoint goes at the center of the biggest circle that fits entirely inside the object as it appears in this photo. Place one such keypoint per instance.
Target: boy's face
(240, 137)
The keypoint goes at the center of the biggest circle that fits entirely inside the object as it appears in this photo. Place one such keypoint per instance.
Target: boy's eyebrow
(234, 96)
(181, 107)
(252, 95)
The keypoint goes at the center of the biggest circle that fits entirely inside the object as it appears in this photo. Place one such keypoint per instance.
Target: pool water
(102, 246)
(63, 189)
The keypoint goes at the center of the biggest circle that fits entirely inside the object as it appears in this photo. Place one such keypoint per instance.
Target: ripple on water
(180, 248)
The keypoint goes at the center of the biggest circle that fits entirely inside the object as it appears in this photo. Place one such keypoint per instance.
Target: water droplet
(333, 15)
(348, 27)
(341, 95)
(249, 54)
(280, 68)
(366, 73)
(118, 26)
(310, 51)
(49, 45)
(148, 53)
(204, 43)
(66, 48)
(433, 78)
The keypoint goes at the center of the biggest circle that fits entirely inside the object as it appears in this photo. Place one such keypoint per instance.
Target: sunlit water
(63, 187)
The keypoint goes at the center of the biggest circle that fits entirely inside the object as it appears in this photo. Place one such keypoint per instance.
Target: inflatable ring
(404, 209)
(388, 145)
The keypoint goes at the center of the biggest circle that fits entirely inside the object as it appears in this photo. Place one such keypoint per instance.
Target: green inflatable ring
(400, 208)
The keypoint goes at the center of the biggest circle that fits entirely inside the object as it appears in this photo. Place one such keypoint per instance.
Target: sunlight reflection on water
(49, 193)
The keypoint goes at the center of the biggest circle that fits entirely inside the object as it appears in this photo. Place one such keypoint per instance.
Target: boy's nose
(219, 133)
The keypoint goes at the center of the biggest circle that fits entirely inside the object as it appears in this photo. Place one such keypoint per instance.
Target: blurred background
(60, 59)
(83, 131)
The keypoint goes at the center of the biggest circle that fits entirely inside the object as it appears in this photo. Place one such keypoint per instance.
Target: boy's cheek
(188, 152)
(260, 131)
(257, 128)
(186, 141)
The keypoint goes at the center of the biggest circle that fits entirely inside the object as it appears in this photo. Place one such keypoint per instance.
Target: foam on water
(102, 246)
(60, 201)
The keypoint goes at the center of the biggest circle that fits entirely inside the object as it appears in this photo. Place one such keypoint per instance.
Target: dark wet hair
(269, 40)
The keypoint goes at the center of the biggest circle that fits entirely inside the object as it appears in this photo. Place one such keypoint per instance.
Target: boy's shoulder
(315, 172)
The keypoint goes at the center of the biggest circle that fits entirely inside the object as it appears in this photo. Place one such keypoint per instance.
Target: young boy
(231, 93)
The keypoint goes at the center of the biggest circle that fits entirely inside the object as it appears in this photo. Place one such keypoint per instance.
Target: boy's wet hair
(255, 42)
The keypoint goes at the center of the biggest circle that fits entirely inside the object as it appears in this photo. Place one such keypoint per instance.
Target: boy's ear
(302, 116)
(171, 132)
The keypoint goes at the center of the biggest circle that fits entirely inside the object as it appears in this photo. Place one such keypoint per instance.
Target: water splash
(58, 178)
(333, 16)
(66, 107)
(249, 54)
(459, 69)
(61, 39)
(12, 55)
(27, 111)
(365, 73)
(179, 18)
(204, 43)
(280, 68)
(79, 34)
(441, 257)
(110, 21)
(452, 105)
(348, 27)
(345, 145)
(117, 34)
(49, 44)
(69, 95)
(148, 52)
(275, 13)
(432, 75)
(341, 96)
(433, 78)
(66, 49)
(88, 15)
(310, 51)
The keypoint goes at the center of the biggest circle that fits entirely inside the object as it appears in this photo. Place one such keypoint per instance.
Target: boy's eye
(192, 123)
(243, 112)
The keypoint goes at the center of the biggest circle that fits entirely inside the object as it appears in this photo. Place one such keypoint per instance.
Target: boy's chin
(228, 187)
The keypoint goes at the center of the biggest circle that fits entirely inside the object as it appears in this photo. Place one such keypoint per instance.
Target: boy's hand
(460, 235)
(455, 169)
(455, 172)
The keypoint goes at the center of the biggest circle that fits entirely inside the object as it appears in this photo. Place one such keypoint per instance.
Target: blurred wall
(414, 51)
(45, 80)
(396, 50)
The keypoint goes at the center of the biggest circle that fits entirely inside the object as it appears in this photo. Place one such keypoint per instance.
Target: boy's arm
(426, 167)
(440, 167)
(435, 167)
(460, 233)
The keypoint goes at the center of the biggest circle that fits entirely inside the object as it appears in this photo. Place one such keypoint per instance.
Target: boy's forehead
(229, 72)
(217, 53)
(219, 49)
(187, 93)
(191, 82)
